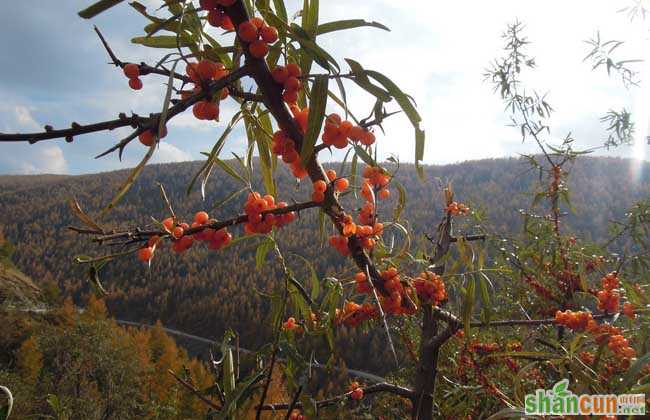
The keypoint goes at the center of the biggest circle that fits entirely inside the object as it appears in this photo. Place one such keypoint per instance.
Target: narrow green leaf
(214, 153)
(162, 41)
(340, 25)
(280, 9)
(486, 306)
(401, 98)
(229, 170)
(364, 155)
(310, 17)
(315, 285)
(129, 181)
(468, 304)
(317, 106)
(401, 202)
(508, 413)
(228, 198)
(322, 57)
(262, 250)
(98, 7)
(361, 79)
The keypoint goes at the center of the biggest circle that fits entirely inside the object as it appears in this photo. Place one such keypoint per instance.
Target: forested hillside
(202, 291)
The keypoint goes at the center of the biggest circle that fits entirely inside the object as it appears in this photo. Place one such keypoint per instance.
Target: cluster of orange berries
(132, 72)
(608, 298)
(289, 78)
(285, 147)
(337, 132)
(356, 392)
(619, 345)
(430, 287)
(580, 321)
(258, 35)
(483, 348)
(354, 314)
(263, 223)
(456, 209)
(577, 321)
(201, 72)
(216, 238)
(320, 186)
(628, 310)
(216, 15)
(392, 304)
(377, 178)
(340, 243)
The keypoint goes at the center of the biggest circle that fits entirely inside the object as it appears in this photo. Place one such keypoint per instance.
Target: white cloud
(47, 159)
(169, 153)
(24, 117)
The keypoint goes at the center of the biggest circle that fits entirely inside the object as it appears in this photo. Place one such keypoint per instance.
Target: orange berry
(208, 4)
(318, 196)
(145, 254)
(384, 193)
(132, 71)
(211, 111)
(178, 232)
(341, 184)
(146, 138)
(280, 74)
(206, 69)
(331, 174)
(290, 96)
(259, 49)
(270, 201)
(258, 22)
(357, 394)
(198, 110)
(292, 83)
(356, 133)
(153, 240)
(215, 18)
(368, 138)
(201, 217)
(320, 186)
(269, 34)
(247, 31)
(227, 24)
(168, 223)
(294, 70)
(135, 84)
(345, 128)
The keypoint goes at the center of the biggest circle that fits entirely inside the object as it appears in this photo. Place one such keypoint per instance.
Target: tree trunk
(427, 368)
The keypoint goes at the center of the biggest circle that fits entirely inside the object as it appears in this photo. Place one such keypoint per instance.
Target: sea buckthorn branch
(531, 322)
(143, 68)
(76, 129)
(139, 235)
(137, 122)
(371, 389)
(273, 100)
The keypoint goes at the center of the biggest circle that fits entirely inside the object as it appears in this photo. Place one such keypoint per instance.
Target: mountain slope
(202, 292)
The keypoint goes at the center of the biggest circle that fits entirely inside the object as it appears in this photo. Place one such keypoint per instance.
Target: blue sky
(54, 72)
